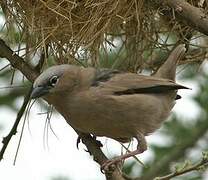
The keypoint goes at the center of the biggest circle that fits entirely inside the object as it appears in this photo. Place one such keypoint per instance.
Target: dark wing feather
(151, 89)
(103, 75)
(129, 83)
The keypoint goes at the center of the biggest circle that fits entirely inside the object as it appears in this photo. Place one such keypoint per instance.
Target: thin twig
(20, 138)
(13, 131)
(195, 167)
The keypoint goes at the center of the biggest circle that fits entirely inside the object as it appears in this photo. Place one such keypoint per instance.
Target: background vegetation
(131, 35)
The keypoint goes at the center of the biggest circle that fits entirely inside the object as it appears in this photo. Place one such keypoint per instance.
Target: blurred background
(48, 145)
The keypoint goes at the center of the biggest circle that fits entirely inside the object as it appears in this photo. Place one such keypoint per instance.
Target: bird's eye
(53, 80)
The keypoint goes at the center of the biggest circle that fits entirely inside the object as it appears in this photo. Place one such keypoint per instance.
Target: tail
(168, 69)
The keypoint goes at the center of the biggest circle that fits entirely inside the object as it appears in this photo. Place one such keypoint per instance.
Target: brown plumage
(110, 103)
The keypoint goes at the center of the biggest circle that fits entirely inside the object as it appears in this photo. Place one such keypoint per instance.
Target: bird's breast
(116, 116)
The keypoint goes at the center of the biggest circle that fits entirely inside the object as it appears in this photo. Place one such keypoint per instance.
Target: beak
(39, 91)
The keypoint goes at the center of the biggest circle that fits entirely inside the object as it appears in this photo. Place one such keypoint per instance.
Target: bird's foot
(110, 165)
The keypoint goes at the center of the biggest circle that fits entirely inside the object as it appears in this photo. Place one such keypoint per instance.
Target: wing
(103, 75)
(119, 83)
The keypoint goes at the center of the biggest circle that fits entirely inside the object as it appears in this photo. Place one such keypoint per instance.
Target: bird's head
(53, 80)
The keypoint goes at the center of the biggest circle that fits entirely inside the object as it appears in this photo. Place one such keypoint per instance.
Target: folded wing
(130, 83)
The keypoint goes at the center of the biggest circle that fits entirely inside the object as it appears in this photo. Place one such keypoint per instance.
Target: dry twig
(13, 130)
(187, 168)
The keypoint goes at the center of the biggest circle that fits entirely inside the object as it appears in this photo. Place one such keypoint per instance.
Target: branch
(13, 131)
(187, 168)
(98, 156)
(17, 62)
(185, 12)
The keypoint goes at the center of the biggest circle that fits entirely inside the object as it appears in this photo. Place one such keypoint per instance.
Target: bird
(112, 103)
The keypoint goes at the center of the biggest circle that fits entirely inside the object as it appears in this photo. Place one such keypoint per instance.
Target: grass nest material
(112, 33)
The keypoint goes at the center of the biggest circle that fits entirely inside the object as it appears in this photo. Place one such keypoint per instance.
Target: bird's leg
(141, 147)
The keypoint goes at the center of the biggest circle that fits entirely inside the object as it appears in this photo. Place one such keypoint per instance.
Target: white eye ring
(54, 80)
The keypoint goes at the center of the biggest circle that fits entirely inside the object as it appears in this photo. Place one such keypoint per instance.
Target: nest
(95, 32)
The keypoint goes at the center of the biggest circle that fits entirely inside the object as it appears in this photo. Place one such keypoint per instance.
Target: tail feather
(168, 69)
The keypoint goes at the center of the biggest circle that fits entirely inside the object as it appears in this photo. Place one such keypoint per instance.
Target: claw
(102, 170)
(110, 165)
(97, 141)
(88, 151)
(78, 141)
